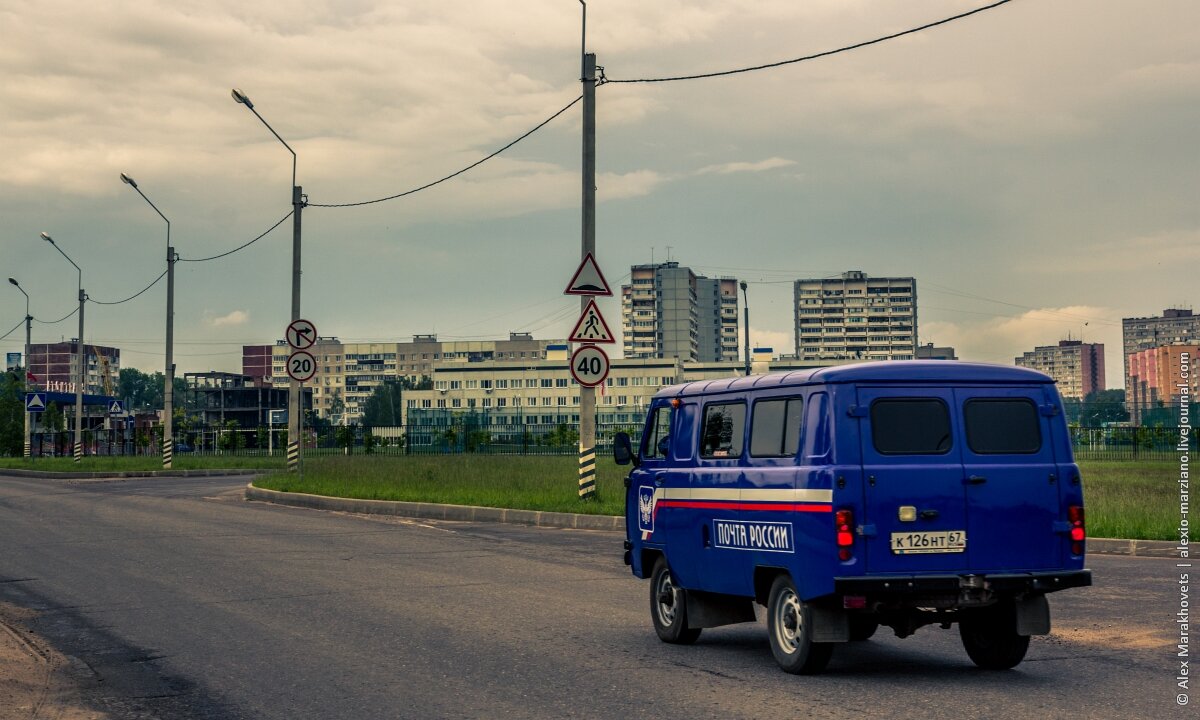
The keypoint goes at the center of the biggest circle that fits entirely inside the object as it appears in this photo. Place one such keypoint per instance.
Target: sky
(1034, 166)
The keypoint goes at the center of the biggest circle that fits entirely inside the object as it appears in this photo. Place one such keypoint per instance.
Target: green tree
(12, 414)
(562, 436)
(345, 437)
(384, 407)
(55, 422)
(1103, 406)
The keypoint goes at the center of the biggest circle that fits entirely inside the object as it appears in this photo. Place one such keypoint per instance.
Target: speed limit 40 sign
(589, 366)
(301, 366)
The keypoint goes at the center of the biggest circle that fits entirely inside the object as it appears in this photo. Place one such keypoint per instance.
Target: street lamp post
(81, 356)
(28, 330)
(746, 309)
(295, 446)
(168, 447)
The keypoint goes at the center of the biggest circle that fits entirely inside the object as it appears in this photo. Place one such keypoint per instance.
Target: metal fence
(1090, 443)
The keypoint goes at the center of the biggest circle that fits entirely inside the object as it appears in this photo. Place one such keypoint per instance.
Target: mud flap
(830, 625)
(1033, 615)
(707, 610)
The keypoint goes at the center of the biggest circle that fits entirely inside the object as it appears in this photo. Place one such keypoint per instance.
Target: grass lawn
(512, 481)
(182, 461)
(1131, 499)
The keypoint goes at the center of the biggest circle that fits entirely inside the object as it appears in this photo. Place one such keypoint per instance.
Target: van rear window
(1002, 426)
(775, 428)
(724, 427)
(910, 426)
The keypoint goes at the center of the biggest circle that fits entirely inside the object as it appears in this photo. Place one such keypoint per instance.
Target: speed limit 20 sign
(589, 366)
(301, 366)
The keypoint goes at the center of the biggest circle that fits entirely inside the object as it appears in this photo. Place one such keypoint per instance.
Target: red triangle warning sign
(588, 280)
(591, 327)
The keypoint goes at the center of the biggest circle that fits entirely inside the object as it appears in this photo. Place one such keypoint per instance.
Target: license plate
(912, 543)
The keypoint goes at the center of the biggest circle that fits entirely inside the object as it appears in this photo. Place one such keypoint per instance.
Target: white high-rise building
(856, 317)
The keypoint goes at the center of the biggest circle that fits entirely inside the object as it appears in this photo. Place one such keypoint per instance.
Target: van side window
(910, 426)
(775, 427)
(657, 441)
(724, 427)
(1002, 426)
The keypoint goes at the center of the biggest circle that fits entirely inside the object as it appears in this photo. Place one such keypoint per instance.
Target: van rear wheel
(789, 629)
(990, 637)
(668, 607)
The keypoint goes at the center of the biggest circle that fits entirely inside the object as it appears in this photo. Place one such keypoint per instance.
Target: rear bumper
(1000, 583)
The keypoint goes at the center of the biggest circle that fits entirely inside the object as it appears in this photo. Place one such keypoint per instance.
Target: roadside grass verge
(504, 481)
(120, 463)
(1137, 500)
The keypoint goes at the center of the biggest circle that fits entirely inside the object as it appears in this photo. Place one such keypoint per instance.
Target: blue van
(844, 498)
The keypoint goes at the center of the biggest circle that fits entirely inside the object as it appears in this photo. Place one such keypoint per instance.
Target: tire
(862, 627)
(990, 637)
(789, 630)
(668, 607)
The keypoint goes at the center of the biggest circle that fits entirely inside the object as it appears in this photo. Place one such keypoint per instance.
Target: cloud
(237, 317)
(736, 167)
(1174, 248)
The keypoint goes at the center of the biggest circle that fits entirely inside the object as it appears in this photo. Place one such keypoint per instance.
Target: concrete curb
(437, 511)
(470, 513)
(123, 475)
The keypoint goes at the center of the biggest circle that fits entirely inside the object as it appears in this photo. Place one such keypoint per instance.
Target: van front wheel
(990, 637)
(789, 628)
(668, 607)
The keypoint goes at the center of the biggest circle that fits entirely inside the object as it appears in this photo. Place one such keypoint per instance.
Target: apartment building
(348, 373)
(855, 317)
(667, 311)
(1077, 367)
(1156, 376)
(55, 365)
(1174, 327)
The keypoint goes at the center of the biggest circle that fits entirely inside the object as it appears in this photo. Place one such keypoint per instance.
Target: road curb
(537, 518)
(122, 475)
(438, 511)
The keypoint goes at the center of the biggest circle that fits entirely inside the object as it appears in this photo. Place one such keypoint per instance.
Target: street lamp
(746, 308)
(80, 355)
(28, 329)
(168, 447)
(295, 446)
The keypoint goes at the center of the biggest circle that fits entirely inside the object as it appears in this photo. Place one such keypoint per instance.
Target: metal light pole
(168, 447)
(28, 330)
(295, 416)
(746, 309)
(81, 357)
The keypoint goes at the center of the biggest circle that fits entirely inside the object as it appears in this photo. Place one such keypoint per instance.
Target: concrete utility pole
(81, 355)
(587, 395)
(168, 446)
(28, 331)
(746, 314)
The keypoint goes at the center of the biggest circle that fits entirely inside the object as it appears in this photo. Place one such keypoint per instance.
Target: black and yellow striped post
(78, 450)
(28, 449)
(293, 456)
(168, 449)
(587, 472)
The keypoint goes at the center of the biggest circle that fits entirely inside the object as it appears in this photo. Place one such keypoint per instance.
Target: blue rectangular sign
(764, 536)
(35, 402)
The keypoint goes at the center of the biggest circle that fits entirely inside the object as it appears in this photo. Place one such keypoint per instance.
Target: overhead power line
(101, 302)
(814, 56)
(473, 165)
(55, 322)
(10, 332)
(240, 247)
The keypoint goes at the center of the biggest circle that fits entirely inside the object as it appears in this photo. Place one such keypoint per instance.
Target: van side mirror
(623, 450)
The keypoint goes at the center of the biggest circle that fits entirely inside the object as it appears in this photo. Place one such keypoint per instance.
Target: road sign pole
(587, 395)
(294, 392)
(28, 373)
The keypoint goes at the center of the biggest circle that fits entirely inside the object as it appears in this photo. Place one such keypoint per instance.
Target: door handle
(975, 480)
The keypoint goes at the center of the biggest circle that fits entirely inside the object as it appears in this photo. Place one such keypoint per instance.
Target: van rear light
(844, 519)
(1078, 528)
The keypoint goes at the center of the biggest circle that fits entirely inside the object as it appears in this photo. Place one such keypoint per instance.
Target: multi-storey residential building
(348, 373)
(856, 317)
(929, 352)
(667, 311)
(1174, 327)
(1156, 376)
(1077, 367)
(56, 369)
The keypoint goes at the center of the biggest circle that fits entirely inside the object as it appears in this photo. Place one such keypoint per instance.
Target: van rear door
(915, 499)
(1012, 483)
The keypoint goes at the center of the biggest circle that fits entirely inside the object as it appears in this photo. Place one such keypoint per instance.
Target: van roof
(892, 371)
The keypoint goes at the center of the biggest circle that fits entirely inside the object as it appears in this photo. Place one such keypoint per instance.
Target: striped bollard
(28, 450)
(587, 472)
(293, 456)
(78, 452)
(168, 449)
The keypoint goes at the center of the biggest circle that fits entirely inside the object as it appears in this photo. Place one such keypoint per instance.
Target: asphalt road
(180, 600)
